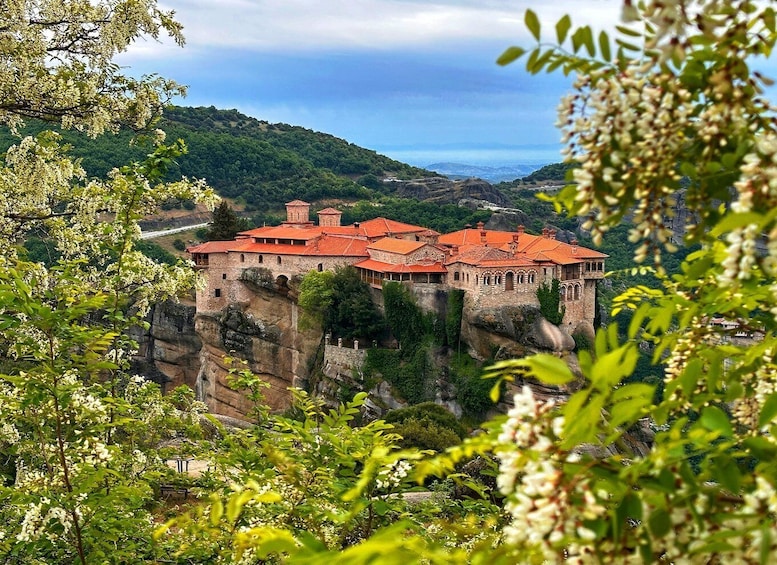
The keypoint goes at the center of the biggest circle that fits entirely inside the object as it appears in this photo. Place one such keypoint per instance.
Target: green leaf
(727, 473)
(216, 511)
(659, 523)
(549, 369)
(769, 410)
(532, 23)
(604, 46)
(716, 420)
(562, 28)
(510, 55)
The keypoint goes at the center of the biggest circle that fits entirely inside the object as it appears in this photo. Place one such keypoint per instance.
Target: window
(279, 259)
(486, 279)
(223, 276)
(509, 281)
(217, 293)
(261, 259)
(242, 258)
(531, 278)
(498, 280)
(520, 278)
(320, 267)
(456, 276)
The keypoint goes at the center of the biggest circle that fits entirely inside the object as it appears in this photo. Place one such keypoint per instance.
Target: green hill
(257, 163)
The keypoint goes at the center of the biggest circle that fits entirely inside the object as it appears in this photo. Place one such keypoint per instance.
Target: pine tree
(225, 224)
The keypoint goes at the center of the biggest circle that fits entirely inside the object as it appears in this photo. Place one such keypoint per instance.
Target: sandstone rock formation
(512, 331)
(442, 190)
(168, 352)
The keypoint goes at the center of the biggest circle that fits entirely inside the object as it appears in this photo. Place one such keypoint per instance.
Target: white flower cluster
(37, 524)
(763, 381)
(546, 513)
(627, 131)
(393, 475)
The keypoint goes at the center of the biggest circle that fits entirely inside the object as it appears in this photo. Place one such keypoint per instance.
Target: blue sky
(391, 75)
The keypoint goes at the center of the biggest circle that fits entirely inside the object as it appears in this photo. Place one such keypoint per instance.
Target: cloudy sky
(389, 75)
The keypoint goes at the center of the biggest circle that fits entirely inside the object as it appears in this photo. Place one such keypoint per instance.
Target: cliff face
(441, 190)
(265, 332)
(168, 352)
(511, 331)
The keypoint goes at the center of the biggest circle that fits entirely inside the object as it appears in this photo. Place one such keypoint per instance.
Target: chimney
(573, 243)
(552, 233)
(480, 225)
(520, 229)
(545, 232)
(514, 244)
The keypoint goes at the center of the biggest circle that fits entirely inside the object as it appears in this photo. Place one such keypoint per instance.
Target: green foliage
(225, 224)
(551, 308)
(404, 317)
(263, 164)
(473, 393)
(156, 252)
(353, 313)
(317, 295)
(453, 316)
(408, 370)
(554, 171)
(179, 244)
(425, 434)
(429, 412)
(442, 218)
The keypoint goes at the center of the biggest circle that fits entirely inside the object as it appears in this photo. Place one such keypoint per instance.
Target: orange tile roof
(298, 203)
(325, 247)
(383, 226)
(284, 232)
(380, 267)
(211, 247)
(473, 237)
(393, 245)
(329, 211)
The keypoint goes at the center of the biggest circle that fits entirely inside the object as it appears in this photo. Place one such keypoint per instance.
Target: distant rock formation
(441, 190)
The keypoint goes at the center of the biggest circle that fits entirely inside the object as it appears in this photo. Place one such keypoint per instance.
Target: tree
(225, 224)
(549, 295)
(673, 97)
(80, 432)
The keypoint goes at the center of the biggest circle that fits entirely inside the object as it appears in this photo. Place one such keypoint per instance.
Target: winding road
(161, 233)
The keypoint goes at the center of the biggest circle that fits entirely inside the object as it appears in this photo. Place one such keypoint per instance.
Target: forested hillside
(260, 164)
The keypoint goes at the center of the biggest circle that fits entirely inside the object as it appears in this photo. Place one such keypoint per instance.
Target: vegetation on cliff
(81, 437)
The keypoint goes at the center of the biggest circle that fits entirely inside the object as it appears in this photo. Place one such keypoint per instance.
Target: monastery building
(493, 267)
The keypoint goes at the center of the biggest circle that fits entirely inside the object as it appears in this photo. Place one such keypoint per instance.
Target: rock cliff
(265, 332)
(168, 351)
(180, 348)
(441, 190)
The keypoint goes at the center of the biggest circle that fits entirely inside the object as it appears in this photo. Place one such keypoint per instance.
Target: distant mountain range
(491, 174)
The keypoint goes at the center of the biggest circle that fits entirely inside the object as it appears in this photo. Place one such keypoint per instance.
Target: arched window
(261, 259)
(577, 292)
(509, 281)
(279, 259)
(456, 276)
(531, 278)
(320, 267)
(497, 280)
(520, 278)
(486, 280)
(242, 258)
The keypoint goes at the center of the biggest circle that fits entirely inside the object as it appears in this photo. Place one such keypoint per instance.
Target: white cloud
(301, 25)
